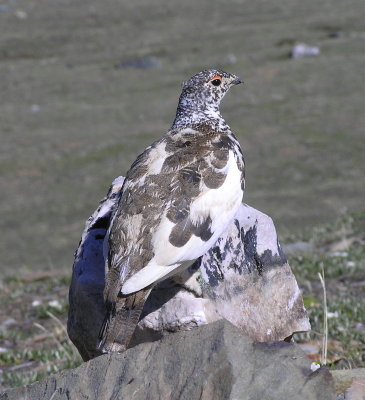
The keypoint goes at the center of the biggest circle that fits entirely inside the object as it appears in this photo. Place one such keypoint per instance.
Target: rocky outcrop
(244, 278)
(351, 382)
(212, 362)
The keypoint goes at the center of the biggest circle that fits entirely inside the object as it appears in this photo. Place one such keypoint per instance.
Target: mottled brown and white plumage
(178, 197)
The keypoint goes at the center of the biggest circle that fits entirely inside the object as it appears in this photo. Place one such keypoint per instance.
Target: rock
(34, 108)
(334, 35)
(345, 377)
(301, 50)
(356, 391)
(212, 362)
(244, 278)
(20, 14)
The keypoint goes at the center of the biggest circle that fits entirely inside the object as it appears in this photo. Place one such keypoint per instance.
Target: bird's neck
(188, 114)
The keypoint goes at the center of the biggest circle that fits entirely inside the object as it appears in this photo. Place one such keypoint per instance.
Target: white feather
(148, 275)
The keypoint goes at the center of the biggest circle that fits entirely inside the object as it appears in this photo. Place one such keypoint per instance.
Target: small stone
(34, 108)
(332, 314)
(55, 304)
(36, 303)
(20, 14)
(334, 35)
(315, 366)
(301, 50)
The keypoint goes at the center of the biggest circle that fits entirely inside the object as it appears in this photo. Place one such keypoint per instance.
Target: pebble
(315, 366)
(55, 304)
(332, 314)
(20, 14)
(301, 50)
(34, 108)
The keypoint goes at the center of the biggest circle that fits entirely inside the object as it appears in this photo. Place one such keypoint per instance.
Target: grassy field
(86, 86)
(73, 117)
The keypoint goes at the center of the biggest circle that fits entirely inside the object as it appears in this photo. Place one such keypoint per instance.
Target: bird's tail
(121, 321)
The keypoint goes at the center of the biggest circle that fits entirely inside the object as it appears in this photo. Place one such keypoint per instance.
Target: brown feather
(121, 321)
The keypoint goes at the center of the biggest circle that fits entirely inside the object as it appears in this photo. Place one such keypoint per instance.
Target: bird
(178, 196)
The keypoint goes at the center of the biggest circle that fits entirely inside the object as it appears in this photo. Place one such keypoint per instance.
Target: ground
(86, 87)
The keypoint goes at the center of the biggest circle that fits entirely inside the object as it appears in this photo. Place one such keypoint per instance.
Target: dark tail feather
(121, 321)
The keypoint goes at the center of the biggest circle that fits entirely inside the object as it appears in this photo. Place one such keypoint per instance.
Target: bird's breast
(221, 202)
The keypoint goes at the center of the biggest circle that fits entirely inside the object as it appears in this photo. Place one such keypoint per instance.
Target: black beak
(236, 81)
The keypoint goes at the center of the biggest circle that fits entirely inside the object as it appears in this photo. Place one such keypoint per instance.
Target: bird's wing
(178, 197)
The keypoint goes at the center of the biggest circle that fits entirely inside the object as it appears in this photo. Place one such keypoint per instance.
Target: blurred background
(87, 85)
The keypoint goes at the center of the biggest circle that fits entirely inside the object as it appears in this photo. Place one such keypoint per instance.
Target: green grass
(48, 361)
(340, 254)
(35, 340)
(350, 263)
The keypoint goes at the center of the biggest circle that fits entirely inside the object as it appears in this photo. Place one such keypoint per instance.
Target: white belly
(219, 204)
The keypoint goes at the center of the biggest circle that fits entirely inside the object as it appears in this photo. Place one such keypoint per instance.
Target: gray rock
(344, 379)
(212, 362)
(244, 278)
(301, 50)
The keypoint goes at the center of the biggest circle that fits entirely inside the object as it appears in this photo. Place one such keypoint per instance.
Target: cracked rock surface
(211, 362)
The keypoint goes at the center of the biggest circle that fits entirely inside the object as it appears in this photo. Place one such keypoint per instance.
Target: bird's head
(202, 94)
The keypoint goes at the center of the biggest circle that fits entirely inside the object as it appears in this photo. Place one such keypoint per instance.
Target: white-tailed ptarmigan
(178, 197)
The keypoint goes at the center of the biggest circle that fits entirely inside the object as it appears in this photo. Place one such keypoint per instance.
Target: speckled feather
(178, 197)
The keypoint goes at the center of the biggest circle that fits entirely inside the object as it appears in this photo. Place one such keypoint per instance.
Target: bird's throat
(187, 116)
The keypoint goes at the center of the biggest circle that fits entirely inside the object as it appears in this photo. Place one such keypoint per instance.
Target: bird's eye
(216, 82)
